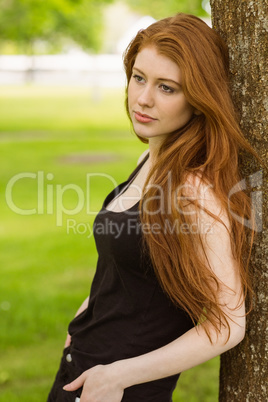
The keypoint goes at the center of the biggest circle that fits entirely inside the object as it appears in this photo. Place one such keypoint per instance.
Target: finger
(74, 385)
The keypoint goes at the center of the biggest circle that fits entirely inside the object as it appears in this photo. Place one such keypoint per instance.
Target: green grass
(46, 272)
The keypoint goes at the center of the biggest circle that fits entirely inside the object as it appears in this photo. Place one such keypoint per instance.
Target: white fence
(72, 69)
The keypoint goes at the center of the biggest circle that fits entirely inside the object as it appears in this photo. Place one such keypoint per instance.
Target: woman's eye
(167, 89)
(138, 78)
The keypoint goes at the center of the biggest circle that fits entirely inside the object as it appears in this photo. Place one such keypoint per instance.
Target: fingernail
(66, 387)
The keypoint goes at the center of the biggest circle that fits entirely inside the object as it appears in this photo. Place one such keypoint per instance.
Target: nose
(146, 97)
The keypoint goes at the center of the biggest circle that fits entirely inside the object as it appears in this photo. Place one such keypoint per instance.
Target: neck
(154, 146)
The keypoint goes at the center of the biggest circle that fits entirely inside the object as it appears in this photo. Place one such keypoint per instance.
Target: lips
(143, 118)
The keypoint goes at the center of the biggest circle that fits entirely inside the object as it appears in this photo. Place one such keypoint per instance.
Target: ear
(197, 112)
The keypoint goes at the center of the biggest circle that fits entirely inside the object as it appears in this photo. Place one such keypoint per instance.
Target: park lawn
(48, 258)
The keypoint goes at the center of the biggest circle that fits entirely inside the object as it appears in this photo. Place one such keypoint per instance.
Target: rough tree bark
(244, 25)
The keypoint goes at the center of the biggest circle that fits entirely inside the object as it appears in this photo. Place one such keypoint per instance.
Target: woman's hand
(100, 384)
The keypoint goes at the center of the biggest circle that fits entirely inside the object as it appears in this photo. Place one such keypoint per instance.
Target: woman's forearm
(83, 306)
(189, 350)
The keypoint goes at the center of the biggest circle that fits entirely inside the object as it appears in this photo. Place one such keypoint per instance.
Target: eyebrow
(159, 79)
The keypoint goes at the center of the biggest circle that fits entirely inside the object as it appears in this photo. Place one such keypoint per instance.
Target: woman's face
(156, 103)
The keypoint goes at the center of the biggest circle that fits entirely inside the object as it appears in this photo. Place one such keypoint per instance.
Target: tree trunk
(243, 25)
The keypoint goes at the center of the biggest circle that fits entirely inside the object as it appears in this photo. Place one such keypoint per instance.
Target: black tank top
(128, 313)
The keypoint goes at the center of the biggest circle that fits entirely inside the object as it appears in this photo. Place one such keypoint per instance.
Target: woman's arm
(83, 306)
(194, 347)
(80, 310)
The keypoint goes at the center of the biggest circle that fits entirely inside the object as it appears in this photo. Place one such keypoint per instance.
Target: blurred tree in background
(163, 8)
(28, 22)
(47, 26)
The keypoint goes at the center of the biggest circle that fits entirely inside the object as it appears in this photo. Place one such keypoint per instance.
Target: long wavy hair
(207, 146)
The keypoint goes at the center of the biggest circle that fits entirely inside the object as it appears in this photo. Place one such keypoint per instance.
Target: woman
(171, 279)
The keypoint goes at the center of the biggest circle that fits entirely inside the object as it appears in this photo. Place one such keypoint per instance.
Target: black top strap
(139, 166)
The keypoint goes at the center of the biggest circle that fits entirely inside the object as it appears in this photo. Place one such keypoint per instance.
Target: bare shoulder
(196, 188)
(142, 156)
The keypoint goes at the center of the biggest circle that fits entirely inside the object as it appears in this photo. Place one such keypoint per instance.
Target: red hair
(206, 147)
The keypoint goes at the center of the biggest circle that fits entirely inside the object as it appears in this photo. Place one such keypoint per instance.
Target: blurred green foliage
(27, 21)
(161, 9)
(46, 271)
(26, 26)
